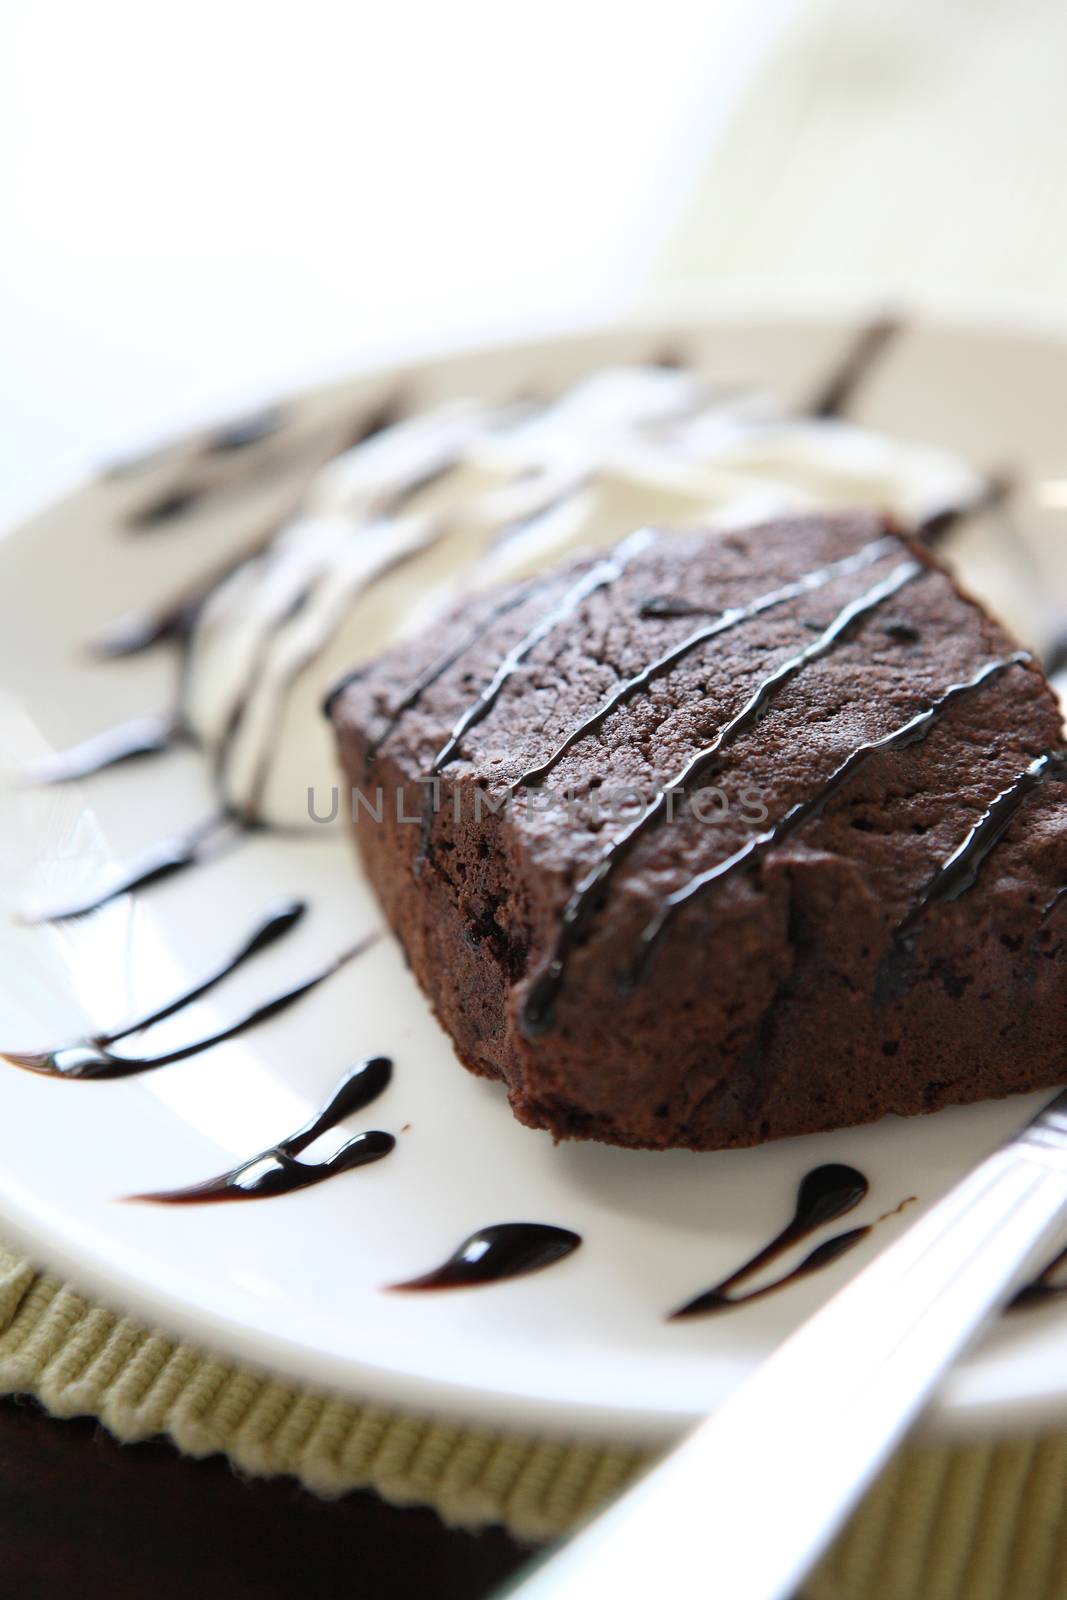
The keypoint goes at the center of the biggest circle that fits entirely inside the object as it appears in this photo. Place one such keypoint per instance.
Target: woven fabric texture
(985, 1522)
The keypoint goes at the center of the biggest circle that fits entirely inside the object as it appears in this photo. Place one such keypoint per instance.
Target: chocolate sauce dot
(502, 1250)
(243, 432)
(169, 507)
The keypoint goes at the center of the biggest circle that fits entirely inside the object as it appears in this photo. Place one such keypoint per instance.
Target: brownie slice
(718, 839)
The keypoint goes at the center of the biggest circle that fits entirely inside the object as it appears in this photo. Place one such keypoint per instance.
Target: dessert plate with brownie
(522, 870)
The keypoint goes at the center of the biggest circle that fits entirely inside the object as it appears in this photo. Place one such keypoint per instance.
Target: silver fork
(745, 1505)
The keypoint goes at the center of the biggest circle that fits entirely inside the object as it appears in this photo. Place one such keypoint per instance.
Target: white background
(199, 202)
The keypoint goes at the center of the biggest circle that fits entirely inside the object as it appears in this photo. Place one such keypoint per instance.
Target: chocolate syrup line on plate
(825, 1193)
(267, 931)
(97, 1061)
(720, 1298)
(205, 841)
(240, 433)
(386, 412)
(598, 576)
(139, 631)
(933, 528)
(837, 390)
(179, 501)
(909, 733)
(960, 871)
(277, 1171)
(502, 1250)
(822, 1255)
(169, 506)
(733, 617)
(127, 741)
(225, 439)
(1055, 657)
(539, 1005)
(196, 480)
(176, 622)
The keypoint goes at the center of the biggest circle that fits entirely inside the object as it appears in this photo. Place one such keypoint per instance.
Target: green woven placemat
(985, 1522)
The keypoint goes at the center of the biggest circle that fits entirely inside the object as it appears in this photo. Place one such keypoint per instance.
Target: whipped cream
(466, 495)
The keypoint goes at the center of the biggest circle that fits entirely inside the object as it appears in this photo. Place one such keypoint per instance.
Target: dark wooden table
(82, 1515)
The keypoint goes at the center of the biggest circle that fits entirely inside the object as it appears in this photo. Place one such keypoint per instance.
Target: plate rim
(990, 313)
(271, 1355)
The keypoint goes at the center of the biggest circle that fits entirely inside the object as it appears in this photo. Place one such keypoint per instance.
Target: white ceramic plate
(295, 1284)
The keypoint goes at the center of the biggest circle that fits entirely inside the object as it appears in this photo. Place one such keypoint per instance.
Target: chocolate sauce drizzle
(960, 872)
(909, 733)
(127, 741)
(598, 576)
(173, 623)
(277, 922)
(825, 1194)
(1055, 659)
(302, 660)
(449, 658)
(226, 439)
(438, 531)
(502, 1250)
(204, 842)
(196, 482)
(935, 527)
(724, 622)
(836, 392)
(170, 506)
(277, 1171)
(93, 1058)
(1058, 899)
(438, 668)
(242, 432)
(539, 1006)
(435, 671)
(823, 1254)
(138, 631)
(838, 389)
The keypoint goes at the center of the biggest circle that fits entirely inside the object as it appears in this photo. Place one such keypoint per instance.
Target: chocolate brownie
(722, 838)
